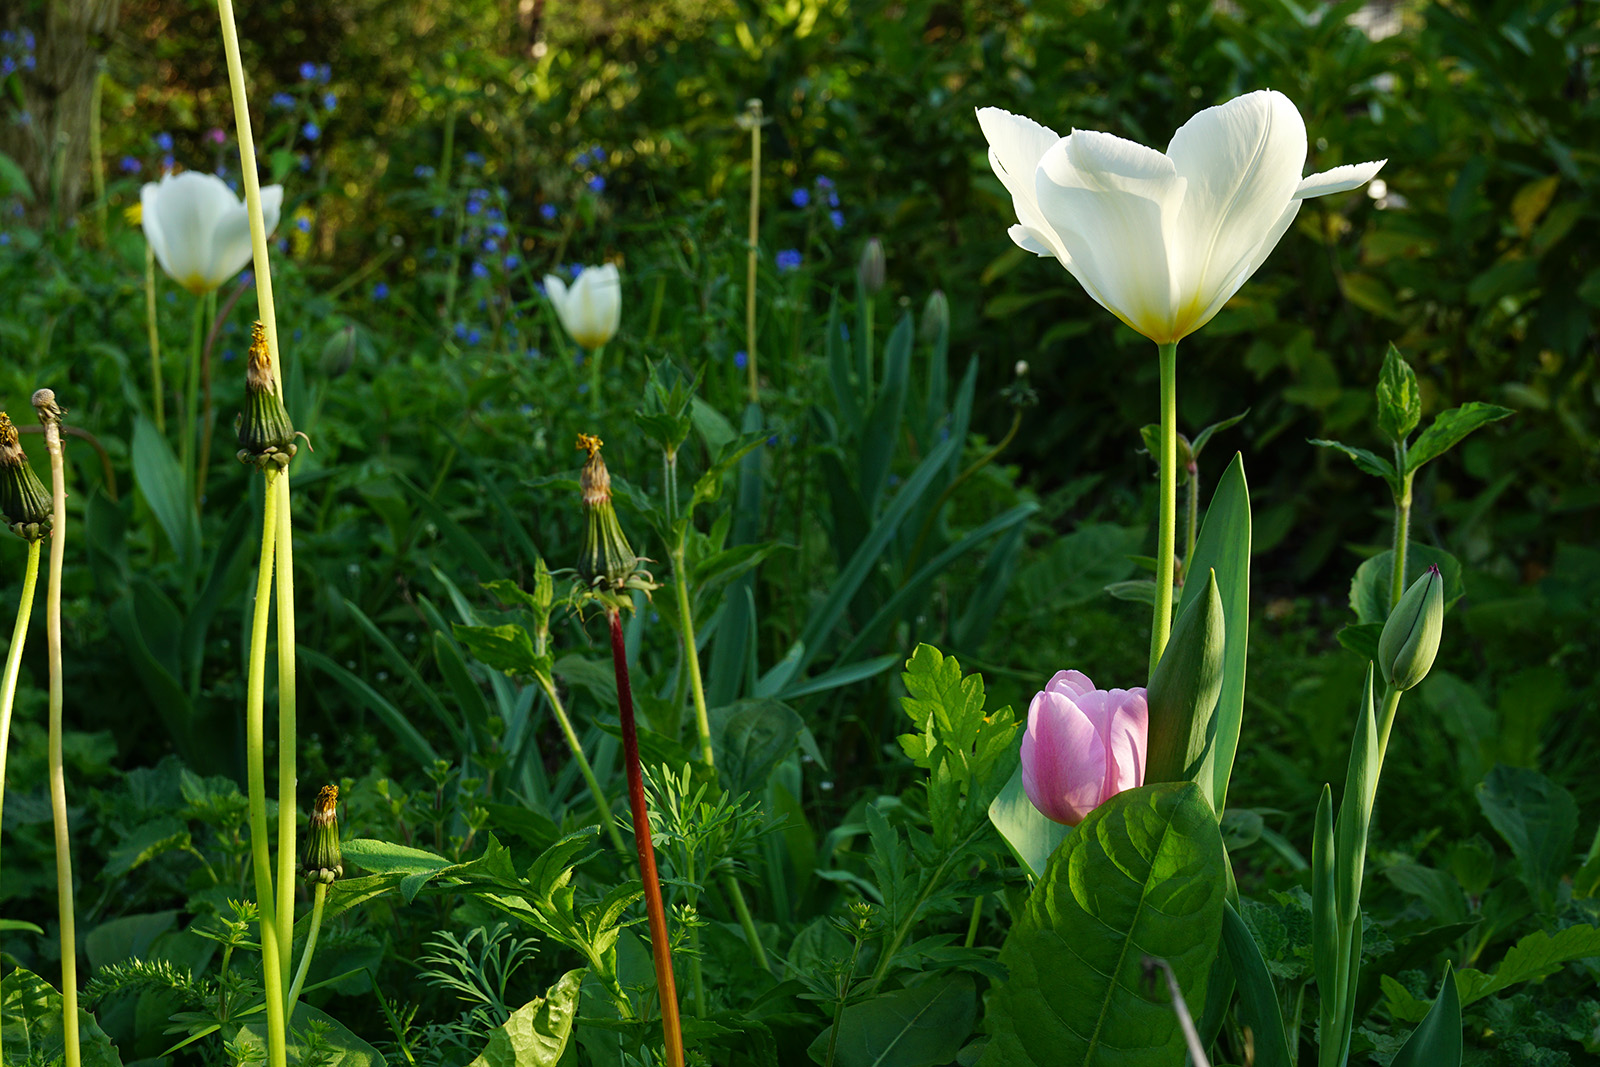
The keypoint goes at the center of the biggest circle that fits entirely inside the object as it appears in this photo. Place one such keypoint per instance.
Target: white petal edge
(1338, 180)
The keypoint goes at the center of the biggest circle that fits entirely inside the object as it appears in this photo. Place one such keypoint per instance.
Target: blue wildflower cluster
(315, 72)
(823, 193)
(788, 260)
(17, 48)
(590, 158)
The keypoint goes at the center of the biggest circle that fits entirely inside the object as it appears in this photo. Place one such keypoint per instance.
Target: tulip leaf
(1258, 997)
(1032, 838)
(1436, 1042)
(1183, 693)
(1215, 428)
(880, 435)
(1144, 875)
(1369, 589)
(160, 480)
(1449, 427)
(1223, 548)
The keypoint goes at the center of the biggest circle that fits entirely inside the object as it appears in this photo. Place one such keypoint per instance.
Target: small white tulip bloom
(592, 307)
(200, 231)
(1162, 240)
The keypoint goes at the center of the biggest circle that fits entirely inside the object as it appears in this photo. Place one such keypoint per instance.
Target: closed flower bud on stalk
(871, 269)
(590, 309)
(935, 317)
(24, 501)
(607, 563)
(266, 436)
(324, 859)
(1410, 638)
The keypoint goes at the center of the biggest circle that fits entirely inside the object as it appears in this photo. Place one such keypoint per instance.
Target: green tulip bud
(1410, 638)
(24, 502)
(870, 270)
(339, 352)
(935, 317)
(324, 859)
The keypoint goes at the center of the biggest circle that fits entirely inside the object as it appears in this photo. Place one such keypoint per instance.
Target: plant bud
(339, 352)
(24, 502)
(935, 317)
(870, 270)
(607, 561)
(266, 436)
(1410, 638)
(324, 860)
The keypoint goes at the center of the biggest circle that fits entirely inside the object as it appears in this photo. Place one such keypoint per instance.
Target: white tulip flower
(592, 307)
(198, 230)
(1162, 240)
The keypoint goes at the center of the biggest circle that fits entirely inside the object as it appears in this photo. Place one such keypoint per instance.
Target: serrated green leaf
(1539, 820)
(507, 647)
(1143, 875)
(1449, 427)
(384, 857)
(1537, 955)
(1399, 398)
(1138, 590)
(1368, 461)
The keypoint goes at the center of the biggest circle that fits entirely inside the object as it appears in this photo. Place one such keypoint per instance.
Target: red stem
(671, 1031)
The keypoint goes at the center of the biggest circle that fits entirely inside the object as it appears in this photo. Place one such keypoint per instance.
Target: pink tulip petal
(1063, 759)
(1070, 683)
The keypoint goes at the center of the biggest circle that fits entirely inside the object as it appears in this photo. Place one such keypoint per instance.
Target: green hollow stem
(191, 396)
(752, 255)
(157, 389)
(66, 913)
(560, 711)
(288, 824)
(1192, 503)
(256, 774)
(697, 689)
(1166, 531)
(8, 688)
(1391, 705)
(697, 979)
(319, 897)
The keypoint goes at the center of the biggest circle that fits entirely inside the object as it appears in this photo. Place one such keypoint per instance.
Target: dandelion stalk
(609, 570)
(44, 402)
(752, 118)
(287, 743)
(660, 948)
(156, 387)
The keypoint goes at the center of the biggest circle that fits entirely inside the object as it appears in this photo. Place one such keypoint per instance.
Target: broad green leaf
(30, 1023)
(383, 857)
(1449, 427)
(343, 1047)
(1437, 1041)
(1138, 590)
(160, 480)
(1369, 589)
(1399, 399)
(1258, 998)
(1032, 838)
(749, 738)
(1538, 819)
(1537, 955)
(537, 1033)
(20, 924)
(507, 647)
(1204, 436)
(145, 844)
(1370, 462)
(1144, 875)
(1361, 638)
(1183, 693)
(14, 180)
(923, 1026)
(1223, 547)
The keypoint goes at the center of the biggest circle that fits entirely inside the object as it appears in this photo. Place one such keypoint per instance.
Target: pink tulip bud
(1083, 746)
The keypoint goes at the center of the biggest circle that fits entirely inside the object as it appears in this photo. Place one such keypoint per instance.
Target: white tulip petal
(196, 217)
(591, 309)
(1243, 160)
(1030, 240)
(150, 218)
(1113, 203)
(1338, 180)
(1247, 269)
(1016, 144)
(232, 240)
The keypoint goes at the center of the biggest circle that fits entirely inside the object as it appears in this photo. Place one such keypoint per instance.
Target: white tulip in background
(1162, 240)
(199, 230)
(592, 307)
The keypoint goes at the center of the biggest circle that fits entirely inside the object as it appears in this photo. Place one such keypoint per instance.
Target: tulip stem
(594, 378)
(191, 397)
(1402, 525)
(660, 947)
(156, 388)
(19, 636)
(50, 415)
(283, 547)
(1166, 530)
(256, 775)
(1391, 704)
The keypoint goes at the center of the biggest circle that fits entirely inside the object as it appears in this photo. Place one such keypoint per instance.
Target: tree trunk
(49, 139)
